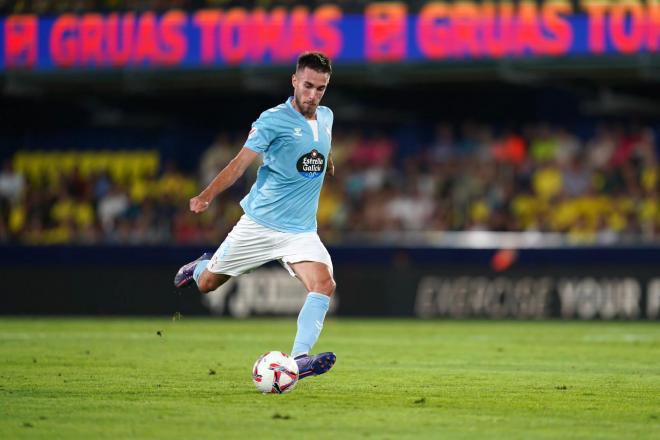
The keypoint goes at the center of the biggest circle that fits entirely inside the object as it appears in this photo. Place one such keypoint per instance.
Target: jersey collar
(290, 106)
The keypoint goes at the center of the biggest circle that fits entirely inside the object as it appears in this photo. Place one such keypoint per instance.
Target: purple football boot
(314, 365)
(185, 274)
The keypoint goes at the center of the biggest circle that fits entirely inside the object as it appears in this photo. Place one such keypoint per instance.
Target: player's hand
(331, 169)
(198, 204)
(331, 165)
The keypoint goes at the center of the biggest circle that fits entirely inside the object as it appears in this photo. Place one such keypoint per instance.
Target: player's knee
(325, 285)
(205, 286)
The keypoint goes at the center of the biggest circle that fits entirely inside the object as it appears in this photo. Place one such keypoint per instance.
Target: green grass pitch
(394, 379)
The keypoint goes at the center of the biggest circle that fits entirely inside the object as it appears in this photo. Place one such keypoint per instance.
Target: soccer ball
(275, 372)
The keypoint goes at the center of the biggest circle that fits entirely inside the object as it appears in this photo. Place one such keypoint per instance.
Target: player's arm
(331, 165)
(224, 179)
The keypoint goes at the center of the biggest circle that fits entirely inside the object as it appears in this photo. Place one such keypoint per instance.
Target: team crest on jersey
(297, 131)
(311, 165)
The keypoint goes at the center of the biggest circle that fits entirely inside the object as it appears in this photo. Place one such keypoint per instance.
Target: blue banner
(384, 33)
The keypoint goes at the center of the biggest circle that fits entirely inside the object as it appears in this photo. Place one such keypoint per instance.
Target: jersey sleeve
(261, 135)
(331, 120)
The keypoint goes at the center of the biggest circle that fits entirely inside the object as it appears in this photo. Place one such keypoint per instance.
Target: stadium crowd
(603, 188)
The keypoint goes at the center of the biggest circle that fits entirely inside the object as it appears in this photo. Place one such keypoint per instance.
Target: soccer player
(279, 221)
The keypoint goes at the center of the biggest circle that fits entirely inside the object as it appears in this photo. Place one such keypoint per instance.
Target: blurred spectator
(601, 147)
(373, 152)
(544, 144)
(444, 145)
(568, 146)
(112, 206)
(547, 181)
(510, 148)
(12, 184)
(409, 209)
(576, 179)
(215, 158)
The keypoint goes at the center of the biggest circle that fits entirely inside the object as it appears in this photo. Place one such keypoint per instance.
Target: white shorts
(250, 245)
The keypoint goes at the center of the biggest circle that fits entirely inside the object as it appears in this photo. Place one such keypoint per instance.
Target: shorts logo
(311, 165)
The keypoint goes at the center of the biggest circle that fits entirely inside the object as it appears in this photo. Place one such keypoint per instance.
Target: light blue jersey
(285, 196)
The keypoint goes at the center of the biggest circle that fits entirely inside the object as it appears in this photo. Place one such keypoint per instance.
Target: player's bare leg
(196, 271)
(318, 280)
(209, 281)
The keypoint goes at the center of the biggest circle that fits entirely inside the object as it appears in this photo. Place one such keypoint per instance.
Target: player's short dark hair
(315, 61)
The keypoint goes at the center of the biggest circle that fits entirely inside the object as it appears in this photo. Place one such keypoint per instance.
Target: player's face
(308, 89)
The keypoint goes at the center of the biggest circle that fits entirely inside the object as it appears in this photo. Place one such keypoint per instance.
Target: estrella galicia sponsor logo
(311, 165)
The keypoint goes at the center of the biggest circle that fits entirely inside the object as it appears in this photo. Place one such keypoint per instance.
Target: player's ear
(294, 80)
